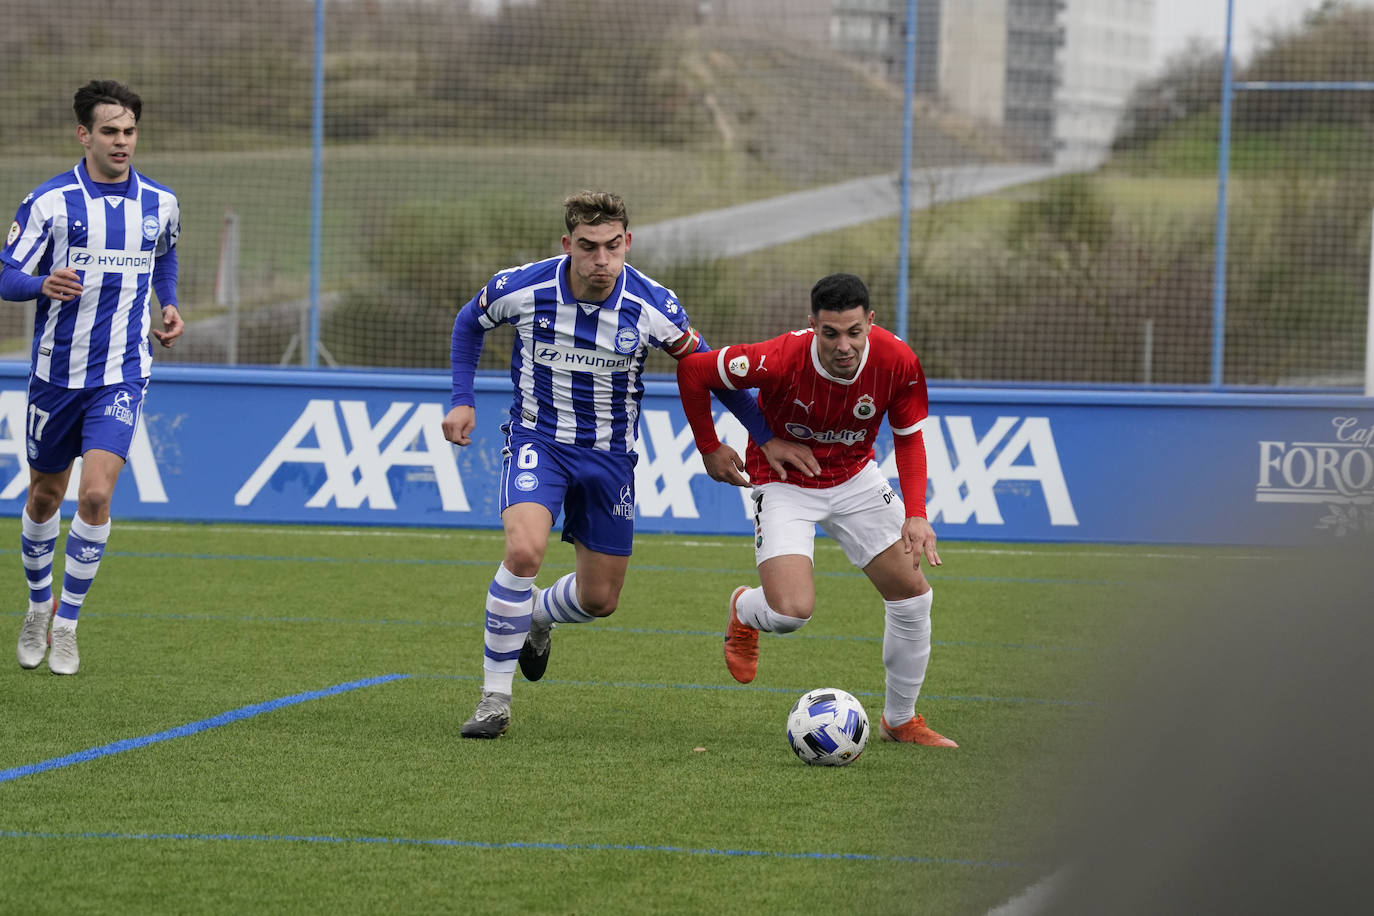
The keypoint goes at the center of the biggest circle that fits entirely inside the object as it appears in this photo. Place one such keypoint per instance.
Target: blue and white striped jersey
(100, 338)
(577, 366)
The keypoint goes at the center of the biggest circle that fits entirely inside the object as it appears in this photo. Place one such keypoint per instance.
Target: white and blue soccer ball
(827, 727)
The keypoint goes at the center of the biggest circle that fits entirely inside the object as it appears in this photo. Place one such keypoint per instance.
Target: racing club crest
(864, 408)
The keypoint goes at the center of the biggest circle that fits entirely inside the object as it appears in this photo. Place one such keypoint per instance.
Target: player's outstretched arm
(918, 539)
(721, 461)
(459, 423)
(692, 347)
(465, 349)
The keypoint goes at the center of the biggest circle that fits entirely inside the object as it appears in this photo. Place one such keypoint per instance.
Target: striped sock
(507, 623)
(85, 547)
(38, 541)
(558, 603)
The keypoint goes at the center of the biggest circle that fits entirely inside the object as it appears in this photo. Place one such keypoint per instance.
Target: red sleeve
(697, 375)
(911, 402)
(910, 452)
(906, 415)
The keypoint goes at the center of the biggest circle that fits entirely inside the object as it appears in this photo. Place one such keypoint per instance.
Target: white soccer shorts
(864, 515)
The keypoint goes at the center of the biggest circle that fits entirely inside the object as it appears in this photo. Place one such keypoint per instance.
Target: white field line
(1033, 900)
(821, 543)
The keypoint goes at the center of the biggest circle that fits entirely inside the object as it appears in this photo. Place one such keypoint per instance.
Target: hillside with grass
(450, 137)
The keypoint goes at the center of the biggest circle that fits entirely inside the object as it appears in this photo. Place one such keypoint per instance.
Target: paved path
(762, 224)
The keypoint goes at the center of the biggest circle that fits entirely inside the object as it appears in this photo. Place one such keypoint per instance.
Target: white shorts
(864, 515)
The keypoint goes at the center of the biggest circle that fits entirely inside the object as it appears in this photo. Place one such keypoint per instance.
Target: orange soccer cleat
(915, 732)
(741, 644)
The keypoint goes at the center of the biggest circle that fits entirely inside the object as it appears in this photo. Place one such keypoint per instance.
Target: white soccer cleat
(490, 719)
(64, 659)
(33, 637)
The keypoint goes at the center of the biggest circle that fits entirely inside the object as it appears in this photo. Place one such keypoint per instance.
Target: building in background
(1034, 38)
(806, 21)
(972, 59)
(1108, 50)
(874, 31)
(1053, 75)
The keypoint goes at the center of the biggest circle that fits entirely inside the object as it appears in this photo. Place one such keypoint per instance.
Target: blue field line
(787, 691)
(478, 844)
(181, 731)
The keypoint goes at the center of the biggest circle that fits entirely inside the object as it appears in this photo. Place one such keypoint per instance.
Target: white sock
(507, 622)
(753, 611)
(906, 653)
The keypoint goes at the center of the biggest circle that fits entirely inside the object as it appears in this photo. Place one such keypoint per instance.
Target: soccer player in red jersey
(829, 386)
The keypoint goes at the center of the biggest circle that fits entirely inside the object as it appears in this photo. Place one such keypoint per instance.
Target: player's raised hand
(458, 424)
(63, 284)
(918, 539)
(725, 465)
(781, 453)
(172, 326)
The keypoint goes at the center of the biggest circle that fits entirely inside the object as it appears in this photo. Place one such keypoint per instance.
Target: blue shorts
(595, 489)
(65, 423)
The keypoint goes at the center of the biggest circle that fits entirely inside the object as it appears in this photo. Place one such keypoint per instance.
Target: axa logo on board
(966, 467)
(361, 456)
(358, 455)
(357, 470)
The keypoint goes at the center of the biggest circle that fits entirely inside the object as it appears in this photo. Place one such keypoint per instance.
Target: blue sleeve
(464, 351)
(744, 405)
(165, 277)
(17, 286)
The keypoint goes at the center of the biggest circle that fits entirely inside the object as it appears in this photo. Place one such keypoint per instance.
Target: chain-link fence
(452, 131)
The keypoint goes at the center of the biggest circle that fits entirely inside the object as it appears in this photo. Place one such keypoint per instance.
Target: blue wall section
(1019, 465)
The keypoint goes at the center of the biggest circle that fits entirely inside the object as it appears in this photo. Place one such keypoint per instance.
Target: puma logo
(805, 407)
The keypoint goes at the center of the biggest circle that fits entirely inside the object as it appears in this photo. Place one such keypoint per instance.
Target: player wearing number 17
(829, 386)
(91, 246)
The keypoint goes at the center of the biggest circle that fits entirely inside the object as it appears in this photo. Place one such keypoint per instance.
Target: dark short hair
(591, 208)
(104, 92)
(838, 293)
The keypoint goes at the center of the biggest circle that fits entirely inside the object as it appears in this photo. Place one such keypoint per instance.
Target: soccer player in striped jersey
(829, 386)
(91, 246)
(583, 324)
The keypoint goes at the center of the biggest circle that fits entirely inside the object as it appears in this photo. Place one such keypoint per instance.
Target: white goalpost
(1369, 320)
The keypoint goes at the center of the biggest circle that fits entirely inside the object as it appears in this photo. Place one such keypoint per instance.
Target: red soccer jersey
(838, 418)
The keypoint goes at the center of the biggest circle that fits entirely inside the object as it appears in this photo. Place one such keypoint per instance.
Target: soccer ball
(827, 727)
